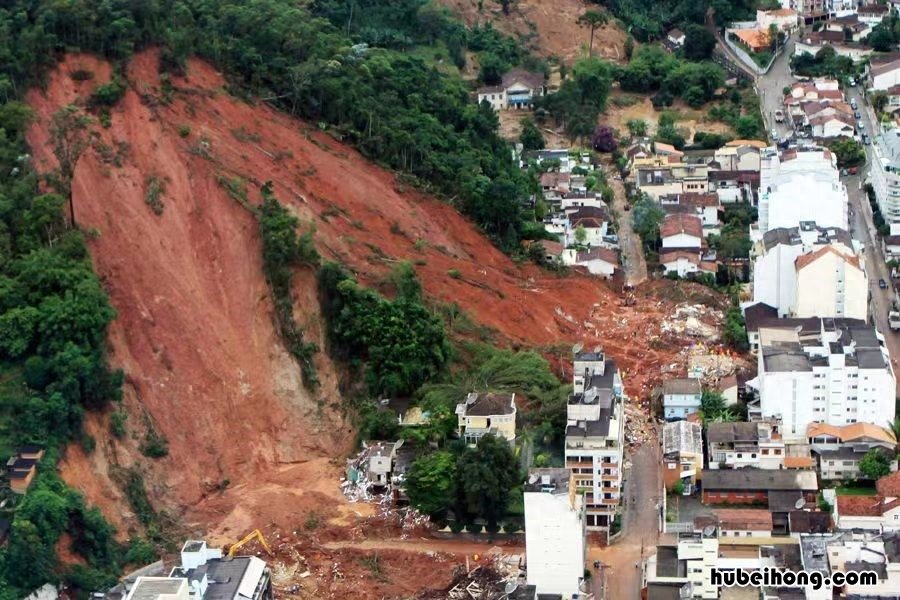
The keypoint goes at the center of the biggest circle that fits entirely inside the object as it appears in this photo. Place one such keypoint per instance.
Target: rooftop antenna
(709, 530)
(800, 503)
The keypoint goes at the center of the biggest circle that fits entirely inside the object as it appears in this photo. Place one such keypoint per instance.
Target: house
(21, 468)
(867, 552)
(884, 71)
(517, 90)
(872, 14)
(741, 445)
(685, 263)
(757, 40)
(838, 373)
(681, 397)
(787, 264)
(592, 221)
(680, 231)
(381, 461)
(676, 38)
(749, 486)
(743, 157)
(891, 246)
(893, 99)
(812, 42)
(857, 29)
(706, 206)
(595, 435)
(728, 387)
(839, 449)
(879, 512)
(206, 574)
(656, 176)
(602, 262)
(785, 19)
(682, 447)
(487, 413)
(555, 535)
(833, 126)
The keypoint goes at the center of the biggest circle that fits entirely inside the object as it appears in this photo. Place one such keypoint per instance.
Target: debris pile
(693, 320)
(357, 486)
(494, 578)
(639, 428)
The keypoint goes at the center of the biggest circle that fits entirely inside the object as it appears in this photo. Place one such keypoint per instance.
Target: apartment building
(837, 372)
(739, 445)
(555, 536)
(800, 185)
(810, 271)
(595, 432)
(885, 177)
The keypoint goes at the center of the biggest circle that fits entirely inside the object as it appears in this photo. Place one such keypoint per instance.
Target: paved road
(640, 528)
(862, 228)
(770, 86)
(633, 263)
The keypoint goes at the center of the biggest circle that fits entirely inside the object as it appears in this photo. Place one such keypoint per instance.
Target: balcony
(579, 464)
(612, 477)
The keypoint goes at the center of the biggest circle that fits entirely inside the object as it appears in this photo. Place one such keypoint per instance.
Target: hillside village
(450, 459)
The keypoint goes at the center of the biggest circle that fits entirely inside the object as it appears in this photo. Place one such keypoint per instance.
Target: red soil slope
(194, 332)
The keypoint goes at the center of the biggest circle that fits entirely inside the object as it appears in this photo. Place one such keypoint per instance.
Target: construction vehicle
(255, 534)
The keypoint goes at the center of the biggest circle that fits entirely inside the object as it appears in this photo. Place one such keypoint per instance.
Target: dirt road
(640, 528)
(633, 262)
(452, 546)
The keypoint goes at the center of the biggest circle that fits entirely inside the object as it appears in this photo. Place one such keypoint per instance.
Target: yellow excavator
(255, 534)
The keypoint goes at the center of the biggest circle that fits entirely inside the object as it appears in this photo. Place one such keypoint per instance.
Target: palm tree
(893, 428)
(593, 19)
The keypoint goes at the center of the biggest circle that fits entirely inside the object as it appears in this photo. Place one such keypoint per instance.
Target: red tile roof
(605, 254)
(744, 519)
(806, 259)
(889, 485)
(667, 256)
(859, 506)
(680, 223)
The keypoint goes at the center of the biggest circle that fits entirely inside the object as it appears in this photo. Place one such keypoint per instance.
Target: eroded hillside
(248, 444)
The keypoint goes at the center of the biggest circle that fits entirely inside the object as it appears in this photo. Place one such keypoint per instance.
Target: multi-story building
(658, 177)
(810, 271)
(684, 570)
(885, 177)
(800, 185)
(554, 532)
(517, 90)
(595, 432)
(487, 413)
(739, 445)
(837, 373)
(682, 446)
(861, 552)
(205, 574)
(840, 449)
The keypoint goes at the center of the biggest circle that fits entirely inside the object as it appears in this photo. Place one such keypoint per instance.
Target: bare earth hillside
(249, 446)
(549, 28)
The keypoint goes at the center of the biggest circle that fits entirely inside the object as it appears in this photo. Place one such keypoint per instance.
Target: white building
(602, 262)
(868, 552)
(688, 565)
(554, 532)
(595, 433)
(741, 445)
(791, 272)
(839, 373)
(801, 185)
(516, 91)
(706, 207)
(205, 574)
(884, 72)
(681, 397)
(784, 19)
(885, 177)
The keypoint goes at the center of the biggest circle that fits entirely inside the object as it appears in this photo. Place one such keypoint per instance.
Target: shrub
(154, 445)
(184, 130)
(117, 424)
(474, 527)
(454, 273)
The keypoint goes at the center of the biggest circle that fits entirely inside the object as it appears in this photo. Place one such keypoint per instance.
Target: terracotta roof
(752, 519)
(668, 149)
(885, 67)
(889, 485)
(531, 80)
(798, 462)
(667, 256)
(587, 223)
(754, 143)
(872, 9)
(755, 38)
(551, 247)
(727, 382)
(894, 90)
(859, 506)
(709, 266)
(678, 223)
(553, 179)
(851, 432)
(605, 254)
(699, 199)
(781, 12)
(806, 259)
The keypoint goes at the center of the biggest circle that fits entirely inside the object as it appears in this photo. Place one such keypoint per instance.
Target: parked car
(860, 125)
(779, 116)
(882, 284)
(856, 115)
(854, 170)
(774, 136)
(865, 139)
(853, 103)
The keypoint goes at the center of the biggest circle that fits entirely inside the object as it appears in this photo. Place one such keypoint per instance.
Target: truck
(894, 320)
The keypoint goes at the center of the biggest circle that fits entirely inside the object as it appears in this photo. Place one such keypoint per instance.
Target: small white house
(516, 91)
(598, 261)
(676, 37)
(832, 126)
(681, 231)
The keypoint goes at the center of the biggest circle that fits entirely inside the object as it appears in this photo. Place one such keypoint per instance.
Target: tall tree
(875, 464)
(430, 483)
(485, 476)
(593, 19)
(893, 428)
(69, 138)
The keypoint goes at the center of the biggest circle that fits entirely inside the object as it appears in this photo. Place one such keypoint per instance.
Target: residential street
(770, 86)
(640, 528)
(633, 263)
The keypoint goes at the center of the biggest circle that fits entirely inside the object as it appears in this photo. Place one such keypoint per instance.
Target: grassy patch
(857, 489)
